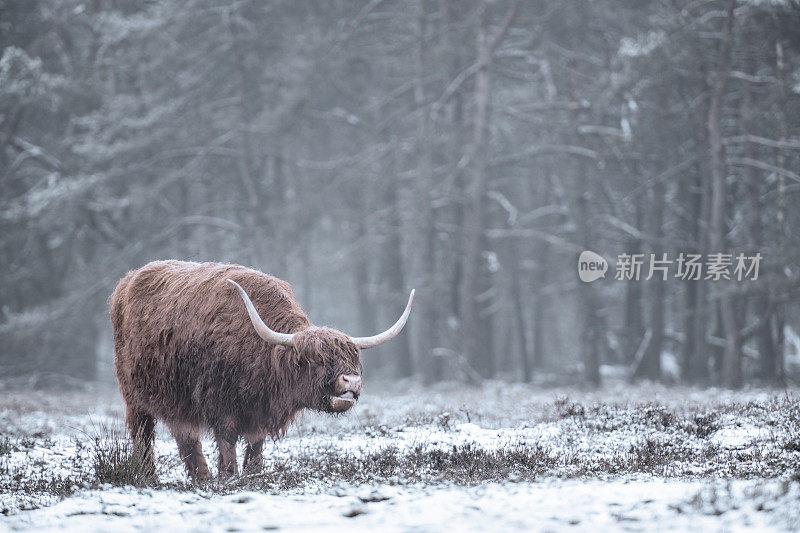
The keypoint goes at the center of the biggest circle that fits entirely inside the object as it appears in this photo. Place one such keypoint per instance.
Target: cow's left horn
(389, 334)
(284, 339)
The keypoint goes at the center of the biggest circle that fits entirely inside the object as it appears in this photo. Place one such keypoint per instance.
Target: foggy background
(358, 149)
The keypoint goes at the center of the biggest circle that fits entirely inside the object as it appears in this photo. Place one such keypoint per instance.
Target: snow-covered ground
(549, 505)
(497, 457)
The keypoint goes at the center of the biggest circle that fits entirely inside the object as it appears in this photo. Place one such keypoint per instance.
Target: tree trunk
(520, 325)
(450, 256)
(704, 310)
(650, 366)
(279, 215)
(732, 355)
(540, 304)
(587, 305)
(634, 325)
(761, 301)
(539, 278)
(395, 279)
(427, 315)
(474, 217)
(586, 297)
(690, 316)
(360, 270)
(780, 318)
(245, 159)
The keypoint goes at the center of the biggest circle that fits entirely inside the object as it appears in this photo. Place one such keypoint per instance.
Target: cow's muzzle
(348, 388)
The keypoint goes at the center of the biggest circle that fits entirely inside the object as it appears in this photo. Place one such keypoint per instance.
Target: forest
(468, 149)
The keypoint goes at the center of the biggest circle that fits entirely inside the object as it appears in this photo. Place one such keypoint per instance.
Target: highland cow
(188, 353)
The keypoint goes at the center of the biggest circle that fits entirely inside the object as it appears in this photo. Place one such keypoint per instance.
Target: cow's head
(332, 358)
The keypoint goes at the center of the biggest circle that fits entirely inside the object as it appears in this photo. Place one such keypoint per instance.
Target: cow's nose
(350, 383)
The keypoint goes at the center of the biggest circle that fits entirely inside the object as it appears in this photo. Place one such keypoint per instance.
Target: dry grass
(115, 461)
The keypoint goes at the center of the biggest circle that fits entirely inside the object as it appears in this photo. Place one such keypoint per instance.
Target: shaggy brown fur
(186, 353)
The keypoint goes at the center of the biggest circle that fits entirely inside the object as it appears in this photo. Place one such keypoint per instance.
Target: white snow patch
(738, 437)
(549, 505)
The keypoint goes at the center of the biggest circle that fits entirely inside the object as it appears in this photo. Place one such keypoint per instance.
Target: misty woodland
(470, 150)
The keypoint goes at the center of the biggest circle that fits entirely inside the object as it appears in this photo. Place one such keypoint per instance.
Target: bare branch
(671, 171)
(754, 139)
(506, 204)
(588, 129)
(508, 20)
(31, 150)
(356, 22)
(755, 163)
(534, 234)
(471, 70)
(546, 149)
(454, 85)
(749, 78)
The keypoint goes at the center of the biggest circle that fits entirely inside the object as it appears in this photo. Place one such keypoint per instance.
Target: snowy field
(498, 457)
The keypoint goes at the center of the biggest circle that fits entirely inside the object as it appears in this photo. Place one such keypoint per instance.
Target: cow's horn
(284, 339)
(389, 334)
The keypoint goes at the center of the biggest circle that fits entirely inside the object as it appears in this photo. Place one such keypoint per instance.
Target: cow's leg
(253, 462)
(226, 443)
(191, 451)
(142, 428)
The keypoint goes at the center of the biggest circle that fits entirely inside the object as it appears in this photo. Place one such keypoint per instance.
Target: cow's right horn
(284, 339)
(389, 334)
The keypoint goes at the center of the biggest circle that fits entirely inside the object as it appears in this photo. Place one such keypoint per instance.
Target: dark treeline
(468, 149)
